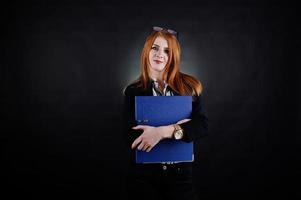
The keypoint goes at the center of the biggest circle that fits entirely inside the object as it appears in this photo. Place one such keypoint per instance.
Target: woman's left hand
(149, 138)
(183, 121)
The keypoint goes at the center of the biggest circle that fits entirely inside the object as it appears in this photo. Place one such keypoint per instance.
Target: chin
(158, 69)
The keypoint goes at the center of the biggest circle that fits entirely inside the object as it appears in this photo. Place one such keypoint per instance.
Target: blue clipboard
(159, 111)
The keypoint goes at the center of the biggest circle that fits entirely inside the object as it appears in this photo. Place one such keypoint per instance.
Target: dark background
(64, 66)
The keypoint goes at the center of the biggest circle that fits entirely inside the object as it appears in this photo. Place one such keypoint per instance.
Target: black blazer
(194, 129)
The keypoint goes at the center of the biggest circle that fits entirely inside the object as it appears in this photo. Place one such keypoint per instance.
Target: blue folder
(159, 111)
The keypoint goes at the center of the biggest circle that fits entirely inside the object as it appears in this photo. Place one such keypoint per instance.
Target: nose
(159, 53)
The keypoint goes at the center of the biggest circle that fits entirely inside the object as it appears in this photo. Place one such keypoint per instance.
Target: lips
(158, 61)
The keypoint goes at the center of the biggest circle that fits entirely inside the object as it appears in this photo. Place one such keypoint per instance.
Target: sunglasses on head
(173, 32)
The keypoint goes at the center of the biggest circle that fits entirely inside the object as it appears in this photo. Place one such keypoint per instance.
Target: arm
(143, 137)
(146, 137)
(194, 128)
(197, 127)
(128, 118)
(151, 136)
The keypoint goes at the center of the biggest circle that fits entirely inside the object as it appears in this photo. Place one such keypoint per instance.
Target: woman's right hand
(148, 139)
(151, 136)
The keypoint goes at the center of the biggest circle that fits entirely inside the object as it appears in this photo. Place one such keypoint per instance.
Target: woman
(161, 76)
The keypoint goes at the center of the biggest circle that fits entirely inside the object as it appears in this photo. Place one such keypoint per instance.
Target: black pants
(161, 181)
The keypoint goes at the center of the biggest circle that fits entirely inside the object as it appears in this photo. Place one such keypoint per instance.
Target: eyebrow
(159, 46)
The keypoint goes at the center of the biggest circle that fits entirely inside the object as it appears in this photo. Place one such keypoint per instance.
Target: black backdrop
(64, 66)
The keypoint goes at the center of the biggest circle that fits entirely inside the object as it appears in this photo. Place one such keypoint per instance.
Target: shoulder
(132, 89)
(193, 84)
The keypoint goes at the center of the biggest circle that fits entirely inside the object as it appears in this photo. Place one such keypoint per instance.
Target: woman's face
(158, 55)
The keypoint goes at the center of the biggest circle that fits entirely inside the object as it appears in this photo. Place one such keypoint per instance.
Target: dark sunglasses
(173, 32)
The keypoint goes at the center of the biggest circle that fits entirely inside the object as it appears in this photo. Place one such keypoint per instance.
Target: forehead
(160, 41)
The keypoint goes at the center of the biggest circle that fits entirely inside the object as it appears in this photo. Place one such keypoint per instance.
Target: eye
(155, 48)
(166, 51)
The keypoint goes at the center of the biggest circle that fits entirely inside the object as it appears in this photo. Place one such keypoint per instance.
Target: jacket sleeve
(128, 118)
(197, 127)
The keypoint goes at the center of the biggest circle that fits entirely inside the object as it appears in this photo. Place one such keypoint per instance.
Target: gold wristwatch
(178, 132)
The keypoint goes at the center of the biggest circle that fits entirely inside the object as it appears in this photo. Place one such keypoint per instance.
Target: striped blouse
(157, 92)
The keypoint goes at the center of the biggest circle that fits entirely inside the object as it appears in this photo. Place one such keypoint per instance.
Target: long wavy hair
(183, 84)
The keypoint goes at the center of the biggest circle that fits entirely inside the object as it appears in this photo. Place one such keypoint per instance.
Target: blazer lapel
(149, 91)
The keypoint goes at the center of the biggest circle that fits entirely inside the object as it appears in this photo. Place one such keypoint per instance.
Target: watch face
(178, 134)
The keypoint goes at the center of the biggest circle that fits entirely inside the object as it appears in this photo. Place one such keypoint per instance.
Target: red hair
(183, 84)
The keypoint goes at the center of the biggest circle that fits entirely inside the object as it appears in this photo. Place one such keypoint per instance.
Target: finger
(145, 147)
(138, 127)
(149, 148)
(141, 145)
(136, 142)
(179, 122)
(183, 121)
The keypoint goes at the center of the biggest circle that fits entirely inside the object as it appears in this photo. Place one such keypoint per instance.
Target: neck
(158, 76)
